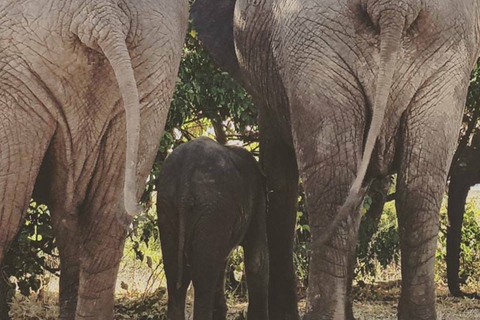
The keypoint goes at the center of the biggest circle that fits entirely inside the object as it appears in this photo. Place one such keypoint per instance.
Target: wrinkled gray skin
(211, 198)
(351, 90)
(70, 70)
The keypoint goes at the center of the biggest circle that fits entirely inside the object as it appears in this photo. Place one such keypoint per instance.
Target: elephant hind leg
(101, 232)
(418, 206)
(207, 270)
(220, 305)
(24, 139)
(169, 241)
(425, 156)
(328, 157)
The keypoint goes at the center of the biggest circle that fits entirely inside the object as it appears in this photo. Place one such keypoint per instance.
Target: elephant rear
(210, 199)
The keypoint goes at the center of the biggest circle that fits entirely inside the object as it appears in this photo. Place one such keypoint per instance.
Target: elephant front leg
(428, 143)
(279, 163)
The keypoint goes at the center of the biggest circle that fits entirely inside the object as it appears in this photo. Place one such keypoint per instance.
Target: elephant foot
(312, 317)
(416, 312)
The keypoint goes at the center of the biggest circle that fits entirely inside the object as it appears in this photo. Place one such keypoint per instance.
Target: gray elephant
(81, 82)
(211, 198)
(351, 91)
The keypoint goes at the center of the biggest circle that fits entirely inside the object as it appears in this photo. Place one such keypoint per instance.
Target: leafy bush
(301, 256)
(32, 252)
(235, 284)
(384, 247)
(29, 308)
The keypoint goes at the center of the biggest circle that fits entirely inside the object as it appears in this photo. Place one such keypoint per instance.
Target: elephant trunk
(392, 27)
(116, 51)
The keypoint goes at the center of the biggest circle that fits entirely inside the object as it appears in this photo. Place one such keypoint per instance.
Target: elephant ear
(213, 20)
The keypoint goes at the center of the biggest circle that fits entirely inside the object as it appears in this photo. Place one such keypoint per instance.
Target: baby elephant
(211, 198)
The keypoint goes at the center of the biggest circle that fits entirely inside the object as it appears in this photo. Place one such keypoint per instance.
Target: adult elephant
(81, 82)
(350, 90)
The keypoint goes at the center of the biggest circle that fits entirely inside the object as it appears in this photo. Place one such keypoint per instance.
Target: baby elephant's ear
(213, 20)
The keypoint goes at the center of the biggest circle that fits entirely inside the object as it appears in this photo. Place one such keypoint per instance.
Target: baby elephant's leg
(257, 268)
(177, 284)
(207, 266)
(220, 308)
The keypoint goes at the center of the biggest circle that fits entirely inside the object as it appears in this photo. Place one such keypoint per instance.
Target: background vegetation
(208, 102)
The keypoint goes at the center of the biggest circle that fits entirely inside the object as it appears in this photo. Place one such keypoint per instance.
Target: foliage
(143, 244)
(384, 247)
(152, 307)
(236, 286)
(32, 251)
(29, 308)
(471, 117)
(205, 92)
(301, 257)
(206, 101)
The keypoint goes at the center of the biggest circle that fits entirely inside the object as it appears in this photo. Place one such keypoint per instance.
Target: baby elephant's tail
(182, 235)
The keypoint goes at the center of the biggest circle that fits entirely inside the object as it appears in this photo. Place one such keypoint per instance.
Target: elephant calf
(212, 198)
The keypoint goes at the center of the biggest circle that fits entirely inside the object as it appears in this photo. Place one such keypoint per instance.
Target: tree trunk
(220, 133)
(457, 197)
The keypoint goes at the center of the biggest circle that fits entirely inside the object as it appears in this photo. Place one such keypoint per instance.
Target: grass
(372, 302)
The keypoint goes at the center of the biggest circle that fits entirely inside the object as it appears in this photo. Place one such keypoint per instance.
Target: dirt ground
(141, 298)
(373, 303)
(447, 309)
(380, 306)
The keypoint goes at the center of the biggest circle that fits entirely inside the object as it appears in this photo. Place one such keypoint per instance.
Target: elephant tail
(390, 42)
(115, 48)
(182, 237)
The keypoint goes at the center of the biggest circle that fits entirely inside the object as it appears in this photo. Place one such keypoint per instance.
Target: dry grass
(447, 309)
(376, 302)
(141, 296)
